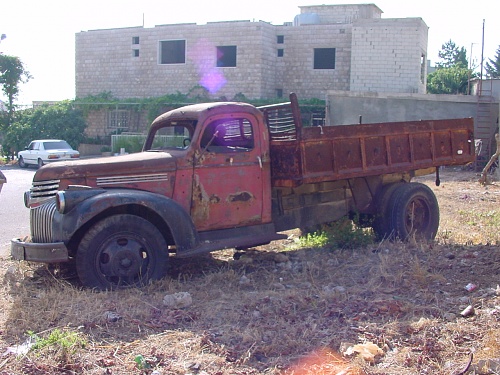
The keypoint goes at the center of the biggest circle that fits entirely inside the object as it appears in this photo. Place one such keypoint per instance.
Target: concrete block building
(326, 47)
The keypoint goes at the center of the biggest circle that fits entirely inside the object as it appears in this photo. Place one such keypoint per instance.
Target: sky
(42, 32)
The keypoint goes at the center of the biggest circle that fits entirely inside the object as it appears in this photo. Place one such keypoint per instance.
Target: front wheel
(414, 212)
(121, 251)
(21, 162)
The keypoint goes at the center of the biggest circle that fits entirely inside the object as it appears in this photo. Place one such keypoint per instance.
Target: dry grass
(278, 309)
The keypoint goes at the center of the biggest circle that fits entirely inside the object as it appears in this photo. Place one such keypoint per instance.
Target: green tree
(59, 121)
(452, 74)
(493, 66)
(452, 55)
(451, 80)
(12, 73)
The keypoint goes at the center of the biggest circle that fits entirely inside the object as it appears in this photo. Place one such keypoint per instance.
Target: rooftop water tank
(306, 19)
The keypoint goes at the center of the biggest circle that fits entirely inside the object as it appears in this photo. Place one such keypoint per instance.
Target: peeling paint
(201, 202)
(243, 196)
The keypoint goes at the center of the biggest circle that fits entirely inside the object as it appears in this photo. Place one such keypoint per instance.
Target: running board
(233, 238)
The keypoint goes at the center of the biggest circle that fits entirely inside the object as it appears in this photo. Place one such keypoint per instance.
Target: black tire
(382, 223)
(40, 163)
(121, 251)
(21, 162)
(414, 212)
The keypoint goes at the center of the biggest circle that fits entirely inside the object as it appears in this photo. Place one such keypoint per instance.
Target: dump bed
(326, 153)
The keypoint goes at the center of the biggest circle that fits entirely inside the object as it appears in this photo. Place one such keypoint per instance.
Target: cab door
(229, 174)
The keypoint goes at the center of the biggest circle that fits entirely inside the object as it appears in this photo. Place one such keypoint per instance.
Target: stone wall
(371, 54)
(389, 55)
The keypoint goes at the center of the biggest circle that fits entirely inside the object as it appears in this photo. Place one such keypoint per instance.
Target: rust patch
(243, 196)
(201, 202)
(214, 199)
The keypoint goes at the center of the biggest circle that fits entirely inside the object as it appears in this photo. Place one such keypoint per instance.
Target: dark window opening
(324, 58)
(226, 56)
(280, 39)
(281, 52)
(173, 52)
(135, 40)
(135, 53)
(279, 93)
(118, 119)
(423, 64)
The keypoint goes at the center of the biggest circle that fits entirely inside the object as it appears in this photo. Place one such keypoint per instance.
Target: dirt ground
(388, 308)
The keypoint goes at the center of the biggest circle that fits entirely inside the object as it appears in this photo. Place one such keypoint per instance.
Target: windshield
(56, 145)
(176, 135)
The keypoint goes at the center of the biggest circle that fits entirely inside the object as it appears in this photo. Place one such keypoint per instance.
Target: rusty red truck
(231, 175)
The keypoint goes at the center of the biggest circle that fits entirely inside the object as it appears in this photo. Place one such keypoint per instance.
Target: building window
(280, 52)
(280, 39)
(324, 58)
(423, 65)
(135, 40)
(173, 52)
(226, 56)
(279, 93)
(118, 119)
(135, 53)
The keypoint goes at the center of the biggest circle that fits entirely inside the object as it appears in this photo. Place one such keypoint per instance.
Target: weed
(61, 343)
(343, 234)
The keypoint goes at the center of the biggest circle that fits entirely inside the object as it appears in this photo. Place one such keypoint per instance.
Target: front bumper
(55, 252)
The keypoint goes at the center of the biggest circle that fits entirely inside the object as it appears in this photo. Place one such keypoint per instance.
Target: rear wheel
(414, 212)
(40, 163)
(21, 162)
(382, 224)
(121, 251)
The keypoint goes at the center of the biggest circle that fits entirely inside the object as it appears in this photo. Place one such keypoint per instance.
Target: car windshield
(177, 135)
(56, 145)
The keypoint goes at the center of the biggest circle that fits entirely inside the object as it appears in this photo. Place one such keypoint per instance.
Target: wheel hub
(122, 260)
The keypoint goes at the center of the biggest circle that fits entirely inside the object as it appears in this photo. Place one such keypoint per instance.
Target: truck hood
(84, 171)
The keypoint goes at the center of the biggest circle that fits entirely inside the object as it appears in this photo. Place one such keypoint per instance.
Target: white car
(43, 151)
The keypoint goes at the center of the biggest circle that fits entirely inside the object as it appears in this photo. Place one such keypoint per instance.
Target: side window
(228, 135)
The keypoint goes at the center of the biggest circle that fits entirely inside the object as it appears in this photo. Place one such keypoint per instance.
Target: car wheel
(415, 212)
(121, 251)
(382, 224)
(40, 163)
(21, 162)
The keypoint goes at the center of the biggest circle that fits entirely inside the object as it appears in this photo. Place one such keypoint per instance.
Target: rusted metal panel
(340, 152)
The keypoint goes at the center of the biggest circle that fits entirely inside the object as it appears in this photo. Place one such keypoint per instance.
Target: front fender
(85, 211)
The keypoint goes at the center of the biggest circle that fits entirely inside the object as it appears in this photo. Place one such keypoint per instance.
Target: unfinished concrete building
(326, 47)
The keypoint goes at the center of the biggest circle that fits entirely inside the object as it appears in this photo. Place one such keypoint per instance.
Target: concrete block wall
(372, 54)
(105, 61)
(299, 74)
(389, 55)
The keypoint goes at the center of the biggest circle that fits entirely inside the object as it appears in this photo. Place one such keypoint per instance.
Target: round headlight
(26, 198)
(60, 202)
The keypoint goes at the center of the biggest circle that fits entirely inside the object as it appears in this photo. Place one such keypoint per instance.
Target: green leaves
(493, 66)
(452, 74)
(59, 121)
(452, 80)
(12, 72)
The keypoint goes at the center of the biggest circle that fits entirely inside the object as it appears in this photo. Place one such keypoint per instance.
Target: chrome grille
(41, 219)
(42, 190)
